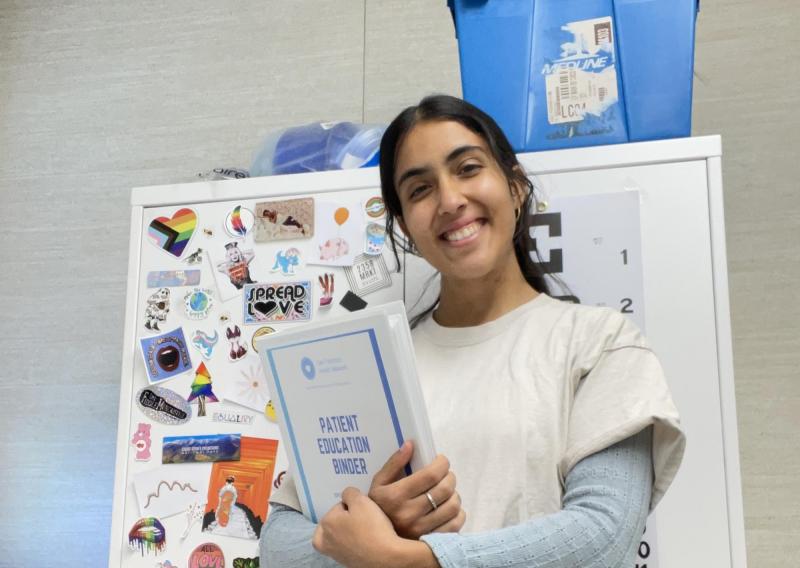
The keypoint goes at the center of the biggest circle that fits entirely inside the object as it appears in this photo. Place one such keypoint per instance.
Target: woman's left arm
(605, 507)
(604, 511)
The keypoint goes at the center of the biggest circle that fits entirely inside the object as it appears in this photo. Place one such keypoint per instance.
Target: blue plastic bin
(567, 73)
(317, 147)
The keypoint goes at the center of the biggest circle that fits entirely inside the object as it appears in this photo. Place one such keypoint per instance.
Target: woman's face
(456, 202)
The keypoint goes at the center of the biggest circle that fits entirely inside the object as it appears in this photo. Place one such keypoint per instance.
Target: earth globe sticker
(198, 302)
(307, 367)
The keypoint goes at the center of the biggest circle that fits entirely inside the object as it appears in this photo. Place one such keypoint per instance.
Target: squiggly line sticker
(171, 487)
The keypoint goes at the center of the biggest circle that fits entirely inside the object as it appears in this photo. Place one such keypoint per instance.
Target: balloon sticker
(339, 233)
(172, 234)
(341, 215)
(207, 555)
(165, 355)
(239, 222)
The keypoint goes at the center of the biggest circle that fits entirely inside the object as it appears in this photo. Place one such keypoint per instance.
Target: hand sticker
(326, 282)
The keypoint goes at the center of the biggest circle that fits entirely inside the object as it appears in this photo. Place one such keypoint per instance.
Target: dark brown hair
(447, 108)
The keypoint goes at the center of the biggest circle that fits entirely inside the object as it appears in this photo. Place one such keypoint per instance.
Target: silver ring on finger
(431, 500)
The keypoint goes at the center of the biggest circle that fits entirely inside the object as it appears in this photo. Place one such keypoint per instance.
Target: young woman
(555, 417)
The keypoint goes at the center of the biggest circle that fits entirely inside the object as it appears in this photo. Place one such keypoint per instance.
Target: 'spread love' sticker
(277, 302)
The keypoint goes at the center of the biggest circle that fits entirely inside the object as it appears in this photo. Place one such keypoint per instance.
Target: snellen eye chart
(593, 244)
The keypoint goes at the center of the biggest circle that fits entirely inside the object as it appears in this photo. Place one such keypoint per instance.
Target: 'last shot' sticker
(277, 302)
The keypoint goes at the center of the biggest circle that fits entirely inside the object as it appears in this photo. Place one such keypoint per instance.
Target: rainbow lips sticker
(172, 235)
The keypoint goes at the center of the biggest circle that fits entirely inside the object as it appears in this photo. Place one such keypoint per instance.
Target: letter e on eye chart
(594, 244)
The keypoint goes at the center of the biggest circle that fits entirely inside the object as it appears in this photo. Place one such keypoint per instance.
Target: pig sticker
(333, 249)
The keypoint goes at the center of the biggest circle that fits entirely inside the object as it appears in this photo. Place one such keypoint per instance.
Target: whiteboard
(682, 292)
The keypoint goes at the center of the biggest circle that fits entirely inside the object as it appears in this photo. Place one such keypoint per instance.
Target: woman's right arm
(286, 541)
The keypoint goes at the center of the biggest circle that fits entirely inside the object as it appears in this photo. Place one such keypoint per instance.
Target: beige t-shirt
(515, 403)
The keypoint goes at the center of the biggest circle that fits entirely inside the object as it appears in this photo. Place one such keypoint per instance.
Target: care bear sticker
(277, 302)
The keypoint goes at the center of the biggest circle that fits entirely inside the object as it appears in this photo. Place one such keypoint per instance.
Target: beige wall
(97, 97)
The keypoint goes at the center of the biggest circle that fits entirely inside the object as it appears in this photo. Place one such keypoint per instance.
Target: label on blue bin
(583, 80)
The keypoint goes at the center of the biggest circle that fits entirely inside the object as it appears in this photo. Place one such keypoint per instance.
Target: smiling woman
(556, 417)
(460, 212)
(436, 159)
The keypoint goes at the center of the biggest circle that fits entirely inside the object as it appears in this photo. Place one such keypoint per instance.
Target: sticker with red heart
(173, 234)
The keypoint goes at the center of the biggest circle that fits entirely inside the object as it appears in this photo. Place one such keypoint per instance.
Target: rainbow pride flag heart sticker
(172, 235)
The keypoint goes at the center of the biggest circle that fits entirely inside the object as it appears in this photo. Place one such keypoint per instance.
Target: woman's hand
(404, 499)
(356, 533)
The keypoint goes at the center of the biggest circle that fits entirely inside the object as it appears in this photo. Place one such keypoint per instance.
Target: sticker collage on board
(205, 450)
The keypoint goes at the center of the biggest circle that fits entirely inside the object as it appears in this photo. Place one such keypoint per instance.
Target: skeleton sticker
(157, 309)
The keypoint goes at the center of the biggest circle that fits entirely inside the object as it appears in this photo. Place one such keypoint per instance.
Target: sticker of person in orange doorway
(227, 499)
(236, 265)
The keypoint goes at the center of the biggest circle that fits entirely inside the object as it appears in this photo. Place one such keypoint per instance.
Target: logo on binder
(307, 367)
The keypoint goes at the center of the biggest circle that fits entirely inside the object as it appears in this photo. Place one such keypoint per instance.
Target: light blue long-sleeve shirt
(603, 514)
